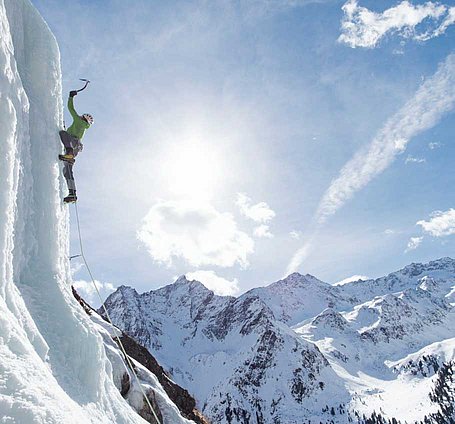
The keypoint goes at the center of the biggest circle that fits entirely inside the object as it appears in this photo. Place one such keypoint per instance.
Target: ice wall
(53, 366)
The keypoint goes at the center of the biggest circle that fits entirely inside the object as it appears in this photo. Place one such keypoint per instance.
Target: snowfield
(56, 364)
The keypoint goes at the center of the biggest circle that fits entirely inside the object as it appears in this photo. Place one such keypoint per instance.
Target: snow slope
(53, 362)
(292, 351)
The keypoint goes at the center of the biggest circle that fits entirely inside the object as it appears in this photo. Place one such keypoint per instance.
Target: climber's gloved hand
(73, 93)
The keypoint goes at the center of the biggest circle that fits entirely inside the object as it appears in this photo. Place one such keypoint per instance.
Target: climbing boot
(71, 198)
(66, 158)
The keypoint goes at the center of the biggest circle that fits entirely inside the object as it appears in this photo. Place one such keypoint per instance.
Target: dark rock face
(254, 371)
(426, 366)
(126, 384)
(330, 318)
(184, 401)
(235, 414)
(443, 394)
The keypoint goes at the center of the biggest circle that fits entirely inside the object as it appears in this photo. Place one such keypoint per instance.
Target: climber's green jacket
(79, 125)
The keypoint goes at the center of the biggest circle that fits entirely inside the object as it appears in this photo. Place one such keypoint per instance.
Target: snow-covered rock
(54, 365)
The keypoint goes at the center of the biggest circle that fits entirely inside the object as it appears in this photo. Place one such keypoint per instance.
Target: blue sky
(241, 140)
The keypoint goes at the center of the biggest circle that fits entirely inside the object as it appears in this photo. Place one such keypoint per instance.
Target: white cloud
(389, 232)
(263, 231)
(351, 279)
(214, 282)
(259, 212)
(197, 233)
(413, 243)
(440, 224)
(434, 145)
(412, 159)
(88, 292)
(435, 97)
(362, 27)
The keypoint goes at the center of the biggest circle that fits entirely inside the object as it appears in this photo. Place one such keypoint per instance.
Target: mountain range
(302, 350)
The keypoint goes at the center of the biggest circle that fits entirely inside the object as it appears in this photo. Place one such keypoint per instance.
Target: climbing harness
(128, 363)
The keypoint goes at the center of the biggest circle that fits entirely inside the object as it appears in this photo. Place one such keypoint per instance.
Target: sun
(192, 169)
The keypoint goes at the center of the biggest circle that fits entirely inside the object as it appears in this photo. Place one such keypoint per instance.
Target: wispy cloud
(413, 243)
(214, 282)
(434, 145)
(362, 27)
(195, 232)
(440, 223)
(434, 98)
(412, 159)
(301, 254)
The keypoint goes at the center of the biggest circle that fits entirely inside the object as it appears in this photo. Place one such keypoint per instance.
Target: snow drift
(53, 362)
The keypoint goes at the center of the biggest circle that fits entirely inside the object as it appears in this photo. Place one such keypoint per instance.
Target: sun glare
(192, 169)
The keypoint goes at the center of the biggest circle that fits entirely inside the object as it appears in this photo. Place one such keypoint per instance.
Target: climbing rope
(127, 358)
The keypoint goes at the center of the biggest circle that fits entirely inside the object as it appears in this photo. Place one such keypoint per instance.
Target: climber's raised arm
(71, 105)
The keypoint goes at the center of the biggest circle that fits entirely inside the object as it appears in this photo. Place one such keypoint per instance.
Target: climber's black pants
(72, 146)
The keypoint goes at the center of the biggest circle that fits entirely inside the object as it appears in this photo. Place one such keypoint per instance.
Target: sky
(239, 141)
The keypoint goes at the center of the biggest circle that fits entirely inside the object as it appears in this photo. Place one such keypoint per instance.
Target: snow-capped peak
(190, 285)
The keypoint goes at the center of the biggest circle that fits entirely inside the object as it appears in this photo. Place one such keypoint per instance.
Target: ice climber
(71, 139)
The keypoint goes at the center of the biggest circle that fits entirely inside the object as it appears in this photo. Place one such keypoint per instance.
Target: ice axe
(85, 85)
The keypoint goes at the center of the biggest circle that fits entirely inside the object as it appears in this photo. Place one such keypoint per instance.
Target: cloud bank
(197, 233)
(362, 27)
